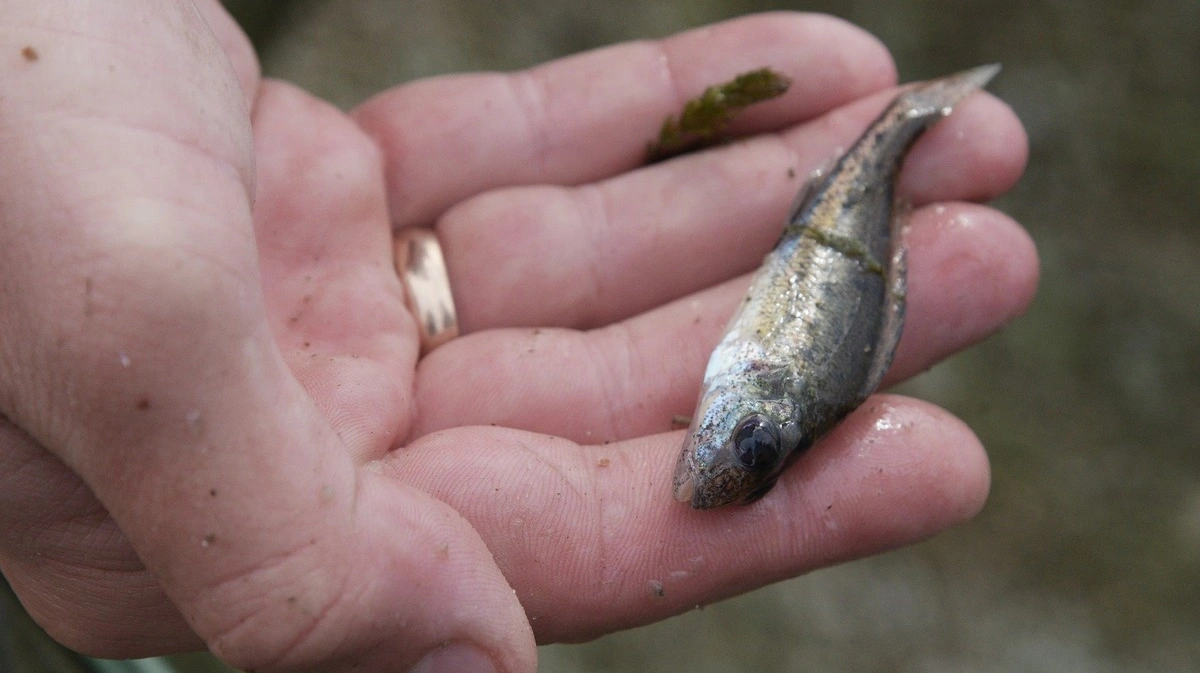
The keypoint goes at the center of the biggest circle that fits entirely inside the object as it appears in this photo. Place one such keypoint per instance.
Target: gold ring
(422, 271)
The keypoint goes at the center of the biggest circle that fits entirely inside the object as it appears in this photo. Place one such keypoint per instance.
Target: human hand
(218, 430)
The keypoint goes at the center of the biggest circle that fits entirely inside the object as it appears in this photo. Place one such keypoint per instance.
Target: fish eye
(756, 443)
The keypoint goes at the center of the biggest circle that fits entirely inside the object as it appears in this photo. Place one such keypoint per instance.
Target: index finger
(589, 116)
(592, 541)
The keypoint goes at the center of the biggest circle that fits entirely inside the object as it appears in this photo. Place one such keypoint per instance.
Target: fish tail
(937, 97)
(916, 108)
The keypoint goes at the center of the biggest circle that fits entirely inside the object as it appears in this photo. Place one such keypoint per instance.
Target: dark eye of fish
(756, 443)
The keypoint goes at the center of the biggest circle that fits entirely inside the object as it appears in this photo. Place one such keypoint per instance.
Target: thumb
(134, 346)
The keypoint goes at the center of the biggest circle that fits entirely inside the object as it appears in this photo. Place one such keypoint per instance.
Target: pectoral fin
(894, 302)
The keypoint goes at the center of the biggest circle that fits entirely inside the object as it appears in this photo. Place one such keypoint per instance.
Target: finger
(590, 116)
(971, 270)
(147, 365)
(325, 246)
(592, 540)
(624, 245)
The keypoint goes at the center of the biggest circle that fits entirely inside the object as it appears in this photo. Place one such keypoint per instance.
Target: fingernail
(455, 658)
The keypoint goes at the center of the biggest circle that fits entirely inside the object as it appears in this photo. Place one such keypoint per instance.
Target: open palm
(219, 431)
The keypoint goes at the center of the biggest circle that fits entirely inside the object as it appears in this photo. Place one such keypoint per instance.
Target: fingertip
(972, 269)
(866, 61)
(1005, 147)
(981, 248)
(976, 154)
(1019, 268)
(938, 460)
(830, 62)
(957, 469)
(850, 56)
(897, 471)
(456, 658)
(999, 146)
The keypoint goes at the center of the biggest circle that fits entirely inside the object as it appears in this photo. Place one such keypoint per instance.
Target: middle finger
(971, 270)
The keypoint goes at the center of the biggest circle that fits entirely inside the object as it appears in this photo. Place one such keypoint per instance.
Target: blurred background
(1087, 556)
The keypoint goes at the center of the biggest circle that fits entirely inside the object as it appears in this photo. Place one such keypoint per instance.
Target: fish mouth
(700, 496)
(685, 487)
(710, 489)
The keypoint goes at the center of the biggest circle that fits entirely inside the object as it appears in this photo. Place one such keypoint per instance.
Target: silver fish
(823, 315)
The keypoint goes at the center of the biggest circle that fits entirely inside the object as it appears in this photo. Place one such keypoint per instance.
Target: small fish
(823, 315)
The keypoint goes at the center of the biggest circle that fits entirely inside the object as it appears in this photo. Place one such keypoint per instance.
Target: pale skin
(216, 431)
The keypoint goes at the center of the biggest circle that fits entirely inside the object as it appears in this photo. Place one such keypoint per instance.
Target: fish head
(735, 449)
